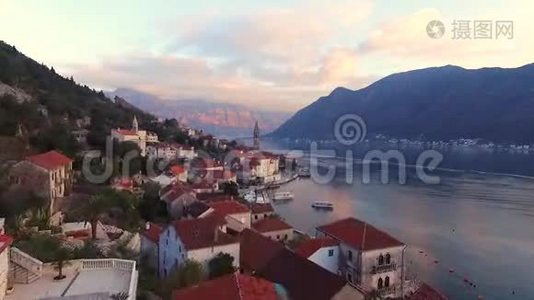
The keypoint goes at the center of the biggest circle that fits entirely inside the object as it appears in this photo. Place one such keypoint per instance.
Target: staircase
(24, 268)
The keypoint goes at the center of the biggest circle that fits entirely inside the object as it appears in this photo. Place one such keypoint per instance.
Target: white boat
(323, 204)
(283, 196)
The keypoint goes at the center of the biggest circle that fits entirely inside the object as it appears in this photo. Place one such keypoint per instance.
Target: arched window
(388, 259)
(380, 260)
(380, 283)
(386, 281)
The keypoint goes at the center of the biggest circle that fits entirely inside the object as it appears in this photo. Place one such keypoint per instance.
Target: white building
(139, 137)
(323, 252)
(368, 257)
(260, 165)
(274, 228)
(237, 215)
(170, 151)
(195, 239)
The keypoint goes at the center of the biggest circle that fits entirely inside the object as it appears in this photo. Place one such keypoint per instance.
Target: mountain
(47, 106)
(223, 119)
(437, 103)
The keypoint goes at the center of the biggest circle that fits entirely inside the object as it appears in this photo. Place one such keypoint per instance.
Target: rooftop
(309, 247)
(225, 208)
(50, 160)
(359, 235)
(260, 208)
(302, 278)
(84, 277)
(153, 232)
(203, 232)
(270, 224)
(231, 287)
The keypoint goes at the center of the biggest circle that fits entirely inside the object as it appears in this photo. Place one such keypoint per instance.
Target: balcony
(388, 290)
(383, 268)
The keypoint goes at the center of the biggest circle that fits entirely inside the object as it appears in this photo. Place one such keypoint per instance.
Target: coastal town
(203, 225)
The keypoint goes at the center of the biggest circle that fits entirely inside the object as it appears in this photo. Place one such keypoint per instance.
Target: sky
(272, 55)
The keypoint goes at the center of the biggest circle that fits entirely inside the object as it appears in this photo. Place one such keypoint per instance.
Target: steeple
(256, 136)
(135, 125)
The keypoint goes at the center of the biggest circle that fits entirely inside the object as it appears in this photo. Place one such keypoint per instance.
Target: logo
(350, 129)
(435, 29)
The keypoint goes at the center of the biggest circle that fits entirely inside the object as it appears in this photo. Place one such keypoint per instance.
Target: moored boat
(323, 205)
(280, 196)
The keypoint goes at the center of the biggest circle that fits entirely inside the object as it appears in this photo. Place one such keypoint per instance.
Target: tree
(92, 211)
(61, 259)
(221, 264)
(191, 272)
(230, 188)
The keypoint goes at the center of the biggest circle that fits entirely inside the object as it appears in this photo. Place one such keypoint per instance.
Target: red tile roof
(126, 132)
(50, 160)
(203, 233)
(302, 278)
(256, 251)
(260, 208)
(153, 232)
(230, 287)
(177, 170)
(5, 241)
(309, 247)
(270, 224)
(215, 196)
(225, 208)
(359, 235)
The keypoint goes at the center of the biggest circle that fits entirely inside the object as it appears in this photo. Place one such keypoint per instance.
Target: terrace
(85, 279)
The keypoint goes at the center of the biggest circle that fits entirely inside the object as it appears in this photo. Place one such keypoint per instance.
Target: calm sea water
(479, 225)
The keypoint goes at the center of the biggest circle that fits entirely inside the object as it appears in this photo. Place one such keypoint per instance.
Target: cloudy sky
(276, 54)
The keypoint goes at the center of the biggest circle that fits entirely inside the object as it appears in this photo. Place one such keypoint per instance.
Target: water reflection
(479, 225)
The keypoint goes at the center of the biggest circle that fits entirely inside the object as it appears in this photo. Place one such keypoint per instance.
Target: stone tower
(256, 136)
(135, 125)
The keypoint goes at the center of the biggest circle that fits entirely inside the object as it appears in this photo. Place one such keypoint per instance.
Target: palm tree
(61, 256)
(92, 210)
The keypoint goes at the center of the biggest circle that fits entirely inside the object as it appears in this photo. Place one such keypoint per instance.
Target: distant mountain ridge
(223, 119)
(438, 103)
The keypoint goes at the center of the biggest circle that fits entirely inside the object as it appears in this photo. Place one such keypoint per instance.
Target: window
(380, 283)
(285, 237)
(349, 277)
(386, 281)
(350, 255)
(179, 248)
(388, 259)
(380, 260)
(255, 217)
(277, 237)
(265, 215)
(331, 252)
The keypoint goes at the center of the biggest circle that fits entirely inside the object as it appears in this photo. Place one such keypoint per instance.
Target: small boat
(323, 205)
(280, 196)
